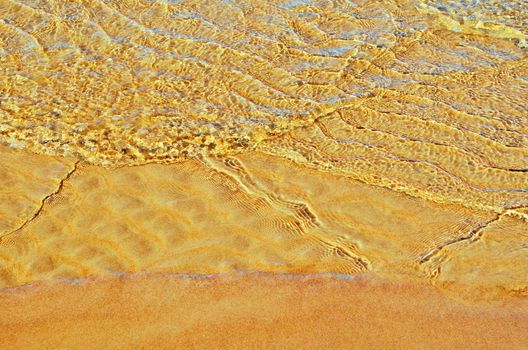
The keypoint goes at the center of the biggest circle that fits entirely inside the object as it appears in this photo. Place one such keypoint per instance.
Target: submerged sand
(420, 97)
(249, 212)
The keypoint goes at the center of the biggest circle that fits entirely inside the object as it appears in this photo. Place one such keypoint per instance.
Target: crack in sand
(44, 200)
(473, 235)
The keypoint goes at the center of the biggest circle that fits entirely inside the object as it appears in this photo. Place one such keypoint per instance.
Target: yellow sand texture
(25, 182)
(255, 212)
(387, 137)
(425, 100)
(251, 312)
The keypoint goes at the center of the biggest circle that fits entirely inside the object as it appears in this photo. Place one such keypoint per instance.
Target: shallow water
(428, 97)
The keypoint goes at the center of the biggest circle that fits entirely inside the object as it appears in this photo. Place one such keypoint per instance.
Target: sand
(27, 179)
(251, 312)
(252, 139)
(256, 212)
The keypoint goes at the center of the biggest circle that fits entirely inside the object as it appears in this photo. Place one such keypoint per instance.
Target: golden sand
(251, 312)
(253, 212)
(387, 138)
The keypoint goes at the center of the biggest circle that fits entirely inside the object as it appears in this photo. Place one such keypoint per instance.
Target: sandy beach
(246, 311)
(263, 174)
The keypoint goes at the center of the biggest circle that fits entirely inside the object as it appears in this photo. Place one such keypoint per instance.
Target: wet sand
(251, 212)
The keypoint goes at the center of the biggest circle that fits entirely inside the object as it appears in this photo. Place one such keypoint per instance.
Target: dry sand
(251, 311)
